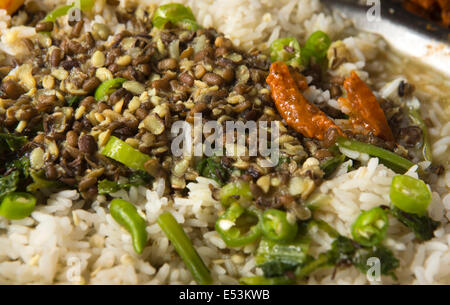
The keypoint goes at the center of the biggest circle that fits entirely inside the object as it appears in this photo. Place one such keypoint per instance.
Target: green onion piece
(316, 46)
(388, 158)
(108, 87)
(238, 191)
(17, 205)
(286, 50)
(277, 227)
(410, 195)
(124, 153)
(239, 226)
(416, 118)
(126, 214)
(175, 13)
(370, 228)
(184, 248)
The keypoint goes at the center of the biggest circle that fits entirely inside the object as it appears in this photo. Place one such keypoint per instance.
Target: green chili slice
(316, 46)
(236, 191)
(175, 13)
(124, 153)
(126, 214)
(370, 228)
(17, 205)
(108, 87)
(238, 226)
(277, 227)
(184, 248)
(410, 195)
(287, 50)
(58, 12)
(85, 5)
(388, 158)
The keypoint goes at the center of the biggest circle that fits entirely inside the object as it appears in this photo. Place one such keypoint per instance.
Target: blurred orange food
(11, 5)
(436, 10)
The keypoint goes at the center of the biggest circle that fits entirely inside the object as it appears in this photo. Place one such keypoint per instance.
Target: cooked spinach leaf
(10, 142)
(9, 183)
(422, 226)
(212, 168)
(107, 187)
(136, 178)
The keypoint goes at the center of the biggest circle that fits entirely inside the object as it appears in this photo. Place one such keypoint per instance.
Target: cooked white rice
(62, 243)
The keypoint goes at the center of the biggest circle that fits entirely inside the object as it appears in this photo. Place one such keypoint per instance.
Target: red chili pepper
(298, 113)
(364, 108)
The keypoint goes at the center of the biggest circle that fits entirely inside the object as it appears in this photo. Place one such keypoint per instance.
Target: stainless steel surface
(425, 41)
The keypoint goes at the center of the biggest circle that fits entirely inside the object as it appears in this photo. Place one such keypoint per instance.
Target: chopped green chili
(410, 195)
(388, 158)
(124, 153)
(175, 13)
(316, 46)
(126, 214)
(236, 191)
(184, 248)
(108, 87)
(85, 5)
(286, 50)
(239, 226)
(17, 205)
(58, 12)
(277, 227)
(370, 228)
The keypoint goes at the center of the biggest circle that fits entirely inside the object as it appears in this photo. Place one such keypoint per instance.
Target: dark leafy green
(277, 268)
(136, 178)
(140, 178)
(332, 164)
(10, 142)
(39, 182)
(422, 226)
(211, 168)
(22, 165)
(73, 100)
(388, 262)
(276, 258)
(106, 187)
(9, 183)
(345, 251)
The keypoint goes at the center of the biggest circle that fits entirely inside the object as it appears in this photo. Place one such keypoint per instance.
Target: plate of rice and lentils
(96, 96)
